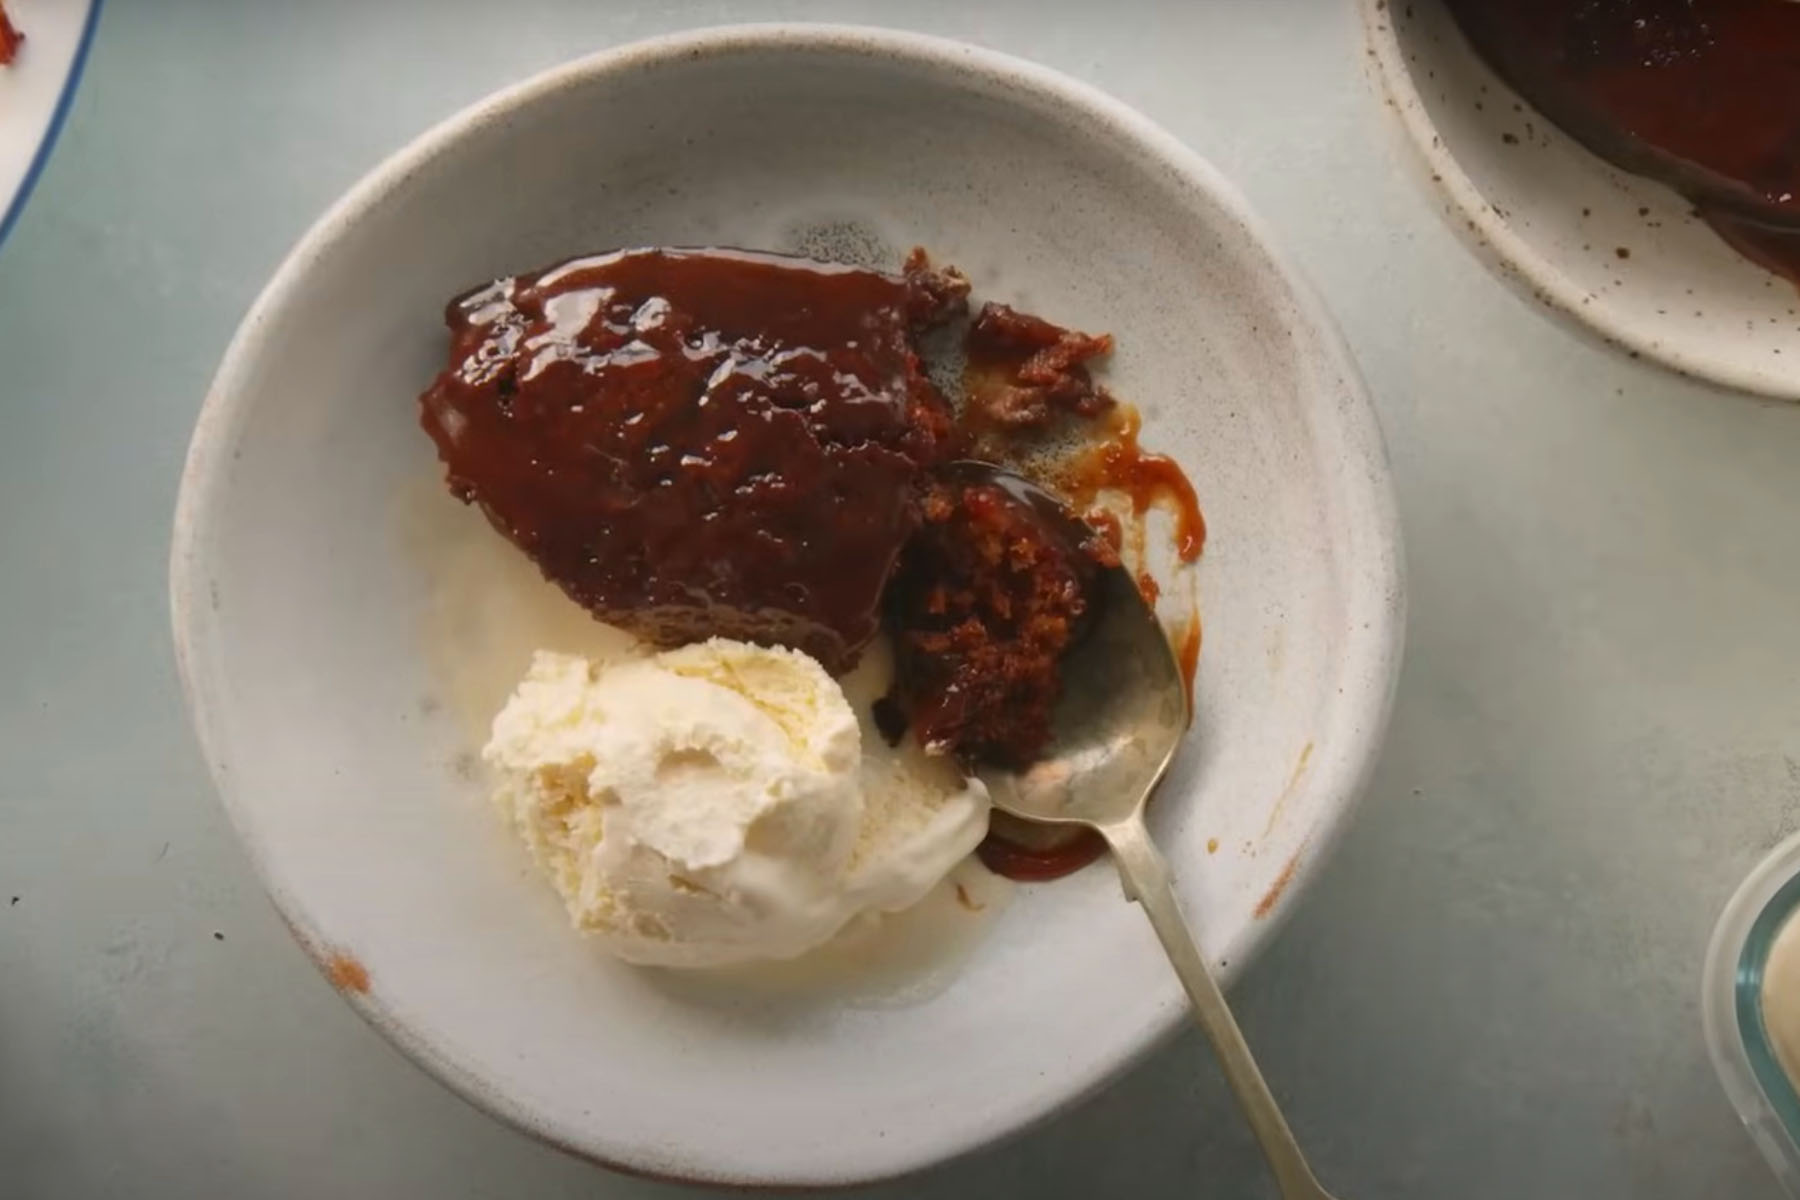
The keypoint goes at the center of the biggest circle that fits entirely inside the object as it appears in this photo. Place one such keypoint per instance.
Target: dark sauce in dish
(1703, 95)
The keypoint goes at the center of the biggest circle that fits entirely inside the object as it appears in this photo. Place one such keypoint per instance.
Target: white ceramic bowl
(323, 714)
(1552, 218)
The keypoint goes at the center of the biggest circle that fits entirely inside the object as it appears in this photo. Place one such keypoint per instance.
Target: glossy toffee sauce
(1187, 653)
(1005, 852)
(1701, 94)
(697, 443)
(1117, 463)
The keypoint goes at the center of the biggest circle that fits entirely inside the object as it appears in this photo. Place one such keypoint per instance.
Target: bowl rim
(1514, 254)
(1373, 641)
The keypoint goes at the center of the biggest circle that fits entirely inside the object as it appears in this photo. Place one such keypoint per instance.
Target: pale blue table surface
(1492, 992)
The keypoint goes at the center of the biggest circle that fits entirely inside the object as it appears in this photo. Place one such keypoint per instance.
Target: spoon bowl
(1117, 727)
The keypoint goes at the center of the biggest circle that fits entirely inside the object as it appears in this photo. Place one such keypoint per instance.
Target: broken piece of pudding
(701, 443)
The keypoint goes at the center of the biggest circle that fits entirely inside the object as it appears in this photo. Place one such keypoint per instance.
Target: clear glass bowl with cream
(1750, 1006)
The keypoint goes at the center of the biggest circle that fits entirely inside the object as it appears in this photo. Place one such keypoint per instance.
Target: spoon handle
(1146, 876)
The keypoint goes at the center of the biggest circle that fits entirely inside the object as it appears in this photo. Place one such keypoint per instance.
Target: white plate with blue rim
(36, 89)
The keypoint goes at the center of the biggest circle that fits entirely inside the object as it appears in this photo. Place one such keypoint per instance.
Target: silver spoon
(1123, 713)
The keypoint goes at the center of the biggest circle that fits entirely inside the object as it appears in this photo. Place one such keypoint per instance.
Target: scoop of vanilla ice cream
(713, 804)
(693, 807)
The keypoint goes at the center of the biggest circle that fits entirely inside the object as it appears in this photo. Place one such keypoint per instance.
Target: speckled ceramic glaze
(1621, 254)
(324, 721)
